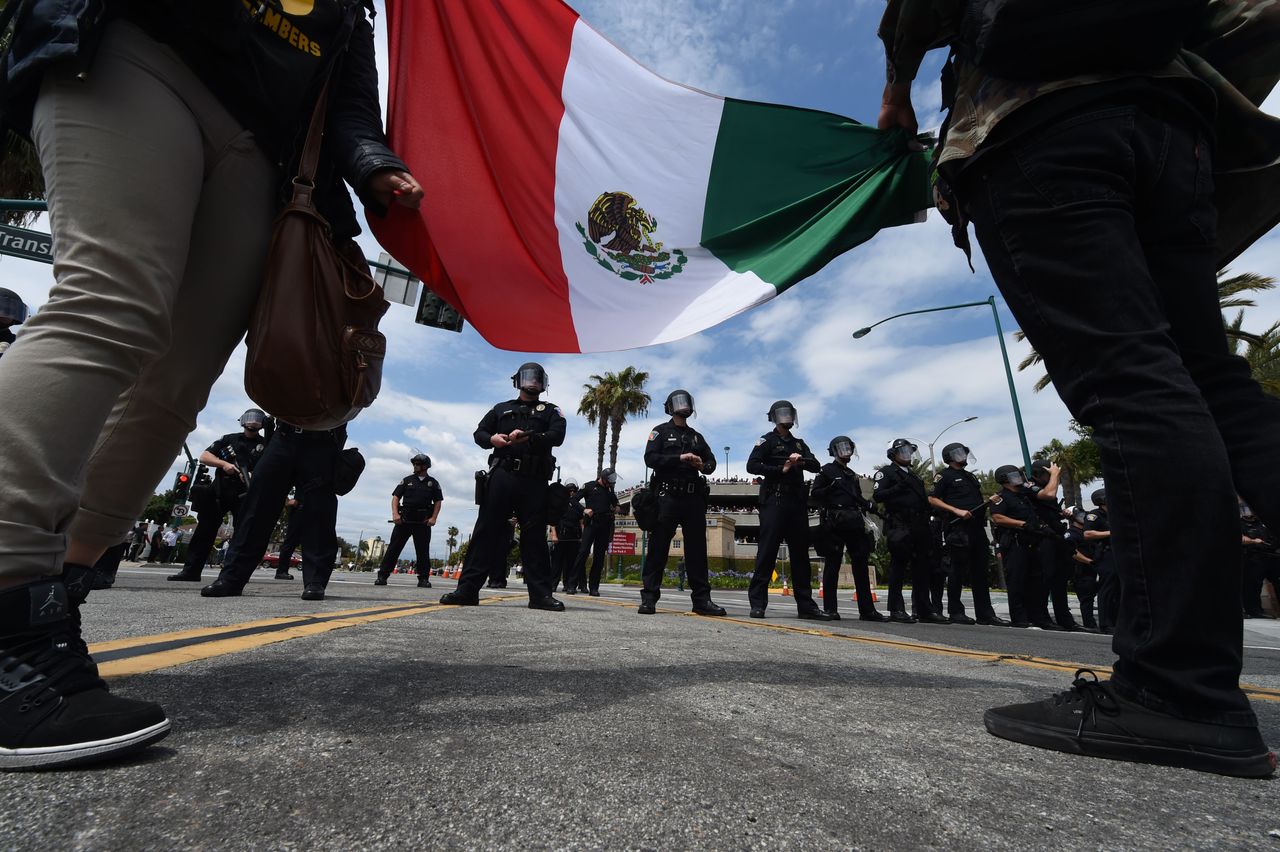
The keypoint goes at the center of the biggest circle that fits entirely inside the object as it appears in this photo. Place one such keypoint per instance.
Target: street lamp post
(1004, 354)
(933, 465)
(726, 462)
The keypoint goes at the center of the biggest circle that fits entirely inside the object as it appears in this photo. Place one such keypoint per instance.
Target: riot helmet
(902, 452)
(254, 418)
(783, 413)
(1009, 474)
(1099, 497)
(530, 378)
(957, 454)
(608, 475)
(420, 459)
(842, 447)
(1040, 469)
(571, 484)
(679, 402)
(12, 309)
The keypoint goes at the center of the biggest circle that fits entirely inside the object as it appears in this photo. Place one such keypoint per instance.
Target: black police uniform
(966, 542)
(906, 530)
(418, 498)
(1261, 563)
(1056, 565)
(565, 553)
(517, 481)
(842, 509)
(597, 532)
(7, 337)
(228, 496)
(1108, 576)
(296, 458)
(1019, 547)
(1086, 575)
(682, 500)
(784, 516)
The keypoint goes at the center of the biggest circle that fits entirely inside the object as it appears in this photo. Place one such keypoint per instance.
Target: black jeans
(304, 461)
(689, 512)
(292, 538)
(783, 517)
(1099, 229)
(596, 537)
(400, 535)
(563, 555)
(508, 493)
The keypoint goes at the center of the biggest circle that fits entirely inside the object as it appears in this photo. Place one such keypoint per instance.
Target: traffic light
(181, 486)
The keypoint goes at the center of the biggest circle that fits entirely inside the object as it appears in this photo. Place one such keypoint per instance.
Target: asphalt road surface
(377, 719)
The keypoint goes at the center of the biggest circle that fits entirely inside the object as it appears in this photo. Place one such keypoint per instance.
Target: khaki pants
(160, 206)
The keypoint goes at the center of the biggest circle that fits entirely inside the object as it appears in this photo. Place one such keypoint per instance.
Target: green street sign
(19, 242)
(437, 313)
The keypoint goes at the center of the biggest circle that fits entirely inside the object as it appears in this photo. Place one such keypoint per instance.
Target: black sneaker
(54, 709)
(1092, 719)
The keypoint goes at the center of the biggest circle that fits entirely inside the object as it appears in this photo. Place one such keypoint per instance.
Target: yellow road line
(219, 647)
(1262, 693)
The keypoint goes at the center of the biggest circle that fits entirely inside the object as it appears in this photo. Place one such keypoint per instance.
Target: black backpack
(1055, 39)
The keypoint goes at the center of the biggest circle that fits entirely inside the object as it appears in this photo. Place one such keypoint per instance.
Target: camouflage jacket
(1236, 52)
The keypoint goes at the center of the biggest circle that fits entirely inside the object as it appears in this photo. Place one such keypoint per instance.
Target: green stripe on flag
(792, 188)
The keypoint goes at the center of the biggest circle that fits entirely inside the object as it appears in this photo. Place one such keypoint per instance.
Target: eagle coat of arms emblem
(619, 234)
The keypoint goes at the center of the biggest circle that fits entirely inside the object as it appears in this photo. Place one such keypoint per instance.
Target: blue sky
(909, 378)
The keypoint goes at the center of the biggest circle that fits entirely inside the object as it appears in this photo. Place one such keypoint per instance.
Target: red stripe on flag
(475, 112)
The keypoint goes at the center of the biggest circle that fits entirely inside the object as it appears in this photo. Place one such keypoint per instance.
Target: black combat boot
(54, 709)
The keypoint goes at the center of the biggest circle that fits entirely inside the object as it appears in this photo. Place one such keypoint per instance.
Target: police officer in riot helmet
(1097, 531)
(521, 434)
(837, 491)
(566, 537)
(906, 531)
(1053, 555)
(958, 494)
(1086, 571)
(12, 312)
(1020, 532)
(680, 458)
(781, 459)
(415, 506)
(600, 507)
(233, 458)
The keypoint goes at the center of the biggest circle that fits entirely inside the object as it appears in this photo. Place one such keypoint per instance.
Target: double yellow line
(186, 646)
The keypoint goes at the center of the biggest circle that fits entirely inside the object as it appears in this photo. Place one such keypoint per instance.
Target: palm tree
(1262, 352)
(452, 542)
(20, 174)
(1229, 290)
(629, 399)
(596, 402)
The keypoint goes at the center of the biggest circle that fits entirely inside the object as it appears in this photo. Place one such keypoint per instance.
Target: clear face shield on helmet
(532, 379)
(253, 418)
(681, 404)
(906, 455)
(844, 449)
(959, 455)
(783, 415)
(420, 460)
(1015, 478)
(610, 477)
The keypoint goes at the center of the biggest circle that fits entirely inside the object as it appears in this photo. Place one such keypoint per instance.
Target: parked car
(273, 559)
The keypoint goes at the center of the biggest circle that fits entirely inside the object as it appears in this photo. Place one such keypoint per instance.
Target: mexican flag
(578, 202)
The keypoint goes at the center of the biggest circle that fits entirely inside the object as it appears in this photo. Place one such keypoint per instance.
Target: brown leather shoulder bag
(315, 352)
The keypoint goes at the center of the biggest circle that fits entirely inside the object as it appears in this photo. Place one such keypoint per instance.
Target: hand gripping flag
(578, 202)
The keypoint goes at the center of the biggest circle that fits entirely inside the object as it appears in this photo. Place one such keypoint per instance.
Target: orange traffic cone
(786, 590)
(874, 596)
